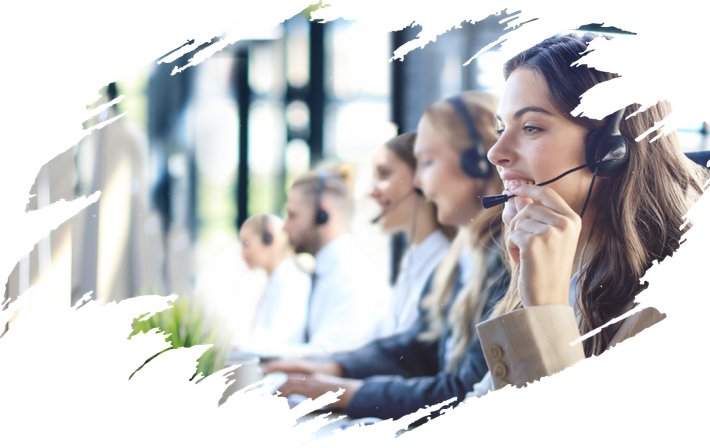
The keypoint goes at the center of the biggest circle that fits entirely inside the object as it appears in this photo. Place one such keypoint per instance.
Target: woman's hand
(314, 385)
(510, 209)
(297, 365)
(543, 238)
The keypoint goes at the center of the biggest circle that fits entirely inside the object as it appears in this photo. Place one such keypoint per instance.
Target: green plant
(187, 323)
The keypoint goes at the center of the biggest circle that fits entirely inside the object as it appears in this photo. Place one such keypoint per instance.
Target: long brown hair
(482, 235)
(402, 146)
(640, 213)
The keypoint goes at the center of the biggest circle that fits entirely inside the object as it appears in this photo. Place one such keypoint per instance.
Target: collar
(334, 253)
(466, 264)
(283, 267)
(419, 256)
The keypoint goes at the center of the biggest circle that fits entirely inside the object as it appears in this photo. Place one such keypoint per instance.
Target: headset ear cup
(606, 151)
(614, 157)
(321, 217)
(472, 165)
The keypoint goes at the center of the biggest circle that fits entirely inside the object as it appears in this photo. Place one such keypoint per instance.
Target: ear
(326, 206)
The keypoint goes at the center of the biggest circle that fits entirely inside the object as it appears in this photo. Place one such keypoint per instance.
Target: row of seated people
(488, 296)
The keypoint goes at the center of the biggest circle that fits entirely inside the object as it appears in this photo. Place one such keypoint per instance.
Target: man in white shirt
(280, 317)
(349, 295)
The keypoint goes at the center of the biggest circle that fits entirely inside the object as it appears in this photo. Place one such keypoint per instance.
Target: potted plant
(185, 323)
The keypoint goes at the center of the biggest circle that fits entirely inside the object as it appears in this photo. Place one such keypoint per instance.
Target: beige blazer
(530, 343)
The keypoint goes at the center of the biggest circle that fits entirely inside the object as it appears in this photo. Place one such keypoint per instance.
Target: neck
(275, 263)
(328, 234)
(425, 222)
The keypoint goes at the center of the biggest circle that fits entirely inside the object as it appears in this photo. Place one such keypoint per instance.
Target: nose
(501, 154)
(374, 190)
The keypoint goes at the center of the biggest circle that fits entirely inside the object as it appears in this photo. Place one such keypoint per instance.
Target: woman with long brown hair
(578, 245)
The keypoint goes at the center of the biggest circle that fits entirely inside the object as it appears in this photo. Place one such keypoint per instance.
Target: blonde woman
(579, 245)
(439, 357)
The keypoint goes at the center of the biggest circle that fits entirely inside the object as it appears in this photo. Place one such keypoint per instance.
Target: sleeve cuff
(530, 343)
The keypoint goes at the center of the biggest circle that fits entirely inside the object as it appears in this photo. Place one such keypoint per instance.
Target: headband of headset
(606, 151)
(321, 215)
(266, 237)
(474, 160)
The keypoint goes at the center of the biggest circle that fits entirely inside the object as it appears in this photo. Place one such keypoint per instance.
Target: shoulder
(636, 323)
(438, 241)
(288, 272)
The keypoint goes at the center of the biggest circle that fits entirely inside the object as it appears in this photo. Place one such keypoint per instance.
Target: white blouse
(280, 316)
(418, 262)
(349, 299)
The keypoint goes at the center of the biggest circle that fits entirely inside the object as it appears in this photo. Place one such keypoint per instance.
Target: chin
(444, 217)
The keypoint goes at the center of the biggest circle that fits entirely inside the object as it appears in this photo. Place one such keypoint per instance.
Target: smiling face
(537, 143)
(440, 176)
(392, 180)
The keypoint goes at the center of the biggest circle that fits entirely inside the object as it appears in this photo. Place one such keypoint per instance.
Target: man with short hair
(349, 296)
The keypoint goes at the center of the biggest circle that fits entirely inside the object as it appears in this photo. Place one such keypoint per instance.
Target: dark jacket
(403, 374)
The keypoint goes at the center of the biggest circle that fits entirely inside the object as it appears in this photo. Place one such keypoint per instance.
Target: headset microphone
(497, 199)
(416, 190)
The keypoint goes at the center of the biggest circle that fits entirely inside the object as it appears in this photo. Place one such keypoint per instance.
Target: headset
(605, 153)
(266, 237)
(606, 149)
(474, 160)
(321, 216)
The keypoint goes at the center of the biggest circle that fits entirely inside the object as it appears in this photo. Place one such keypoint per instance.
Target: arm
(530, 343)
(395, 396)
(401, 354)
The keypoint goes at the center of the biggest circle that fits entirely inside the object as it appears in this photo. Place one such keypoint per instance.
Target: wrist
(333, 368)
(351, 388)
(546, 299)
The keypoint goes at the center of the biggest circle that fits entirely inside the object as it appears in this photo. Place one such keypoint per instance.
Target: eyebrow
(525, 110)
